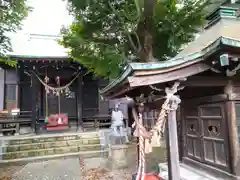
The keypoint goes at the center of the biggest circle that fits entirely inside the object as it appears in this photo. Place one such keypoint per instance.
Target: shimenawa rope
(159, 127)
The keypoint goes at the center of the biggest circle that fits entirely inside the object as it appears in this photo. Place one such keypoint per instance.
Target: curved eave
(141, 74)
(190, 70)
(118, 81)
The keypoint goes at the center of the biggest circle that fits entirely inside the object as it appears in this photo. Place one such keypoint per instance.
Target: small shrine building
(209, 113)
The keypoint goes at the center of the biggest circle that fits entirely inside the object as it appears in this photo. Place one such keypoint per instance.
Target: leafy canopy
(107, 34)
(12, 12)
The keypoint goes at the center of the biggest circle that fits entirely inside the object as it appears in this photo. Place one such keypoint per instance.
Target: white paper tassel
(59, 120)
(156, 140)
(148, 147)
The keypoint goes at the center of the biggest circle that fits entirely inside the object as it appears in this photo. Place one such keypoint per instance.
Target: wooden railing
(11, 124)
(96, 122)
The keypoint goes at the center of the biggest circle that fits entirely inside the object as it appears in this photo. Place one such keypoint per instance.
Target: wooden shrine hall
(209, 113)
(52, 94)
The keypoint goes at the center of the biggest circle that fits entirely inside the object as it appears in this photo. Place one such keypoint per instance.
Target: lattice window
(10, 96)
(150, 118)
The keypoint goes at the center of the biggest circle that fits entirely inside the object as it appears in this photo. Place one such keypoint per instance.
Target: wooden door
(52, 103)
(205, 135)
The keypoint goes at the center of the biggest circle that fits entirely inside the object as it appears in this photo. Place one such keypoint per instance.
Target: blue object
(224, 60)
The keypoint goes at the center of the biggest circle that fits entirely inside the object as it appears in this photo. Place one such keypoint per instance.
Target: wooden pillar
(19, 73)
(79, 102)
(2, 88)
(34, 101)
(18, 91)
(172, 141)
(234, 160)
(2, 93)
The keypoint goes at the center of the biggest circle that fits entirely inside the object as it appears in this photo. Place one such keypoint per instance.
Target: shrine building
(46, 83)
(209, 113)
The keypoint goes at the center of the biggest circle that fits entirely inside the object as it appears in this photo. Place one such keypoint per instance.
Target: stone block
(25, 130)
(21, 141)
(12, 148)
(42, 146)
(118, 156)
(94, 141)
(49, 152)
(74, 142)
(89, 148)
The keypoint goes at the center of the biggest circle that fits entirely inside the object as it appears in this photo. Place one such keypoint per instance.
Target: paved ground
(67, 169)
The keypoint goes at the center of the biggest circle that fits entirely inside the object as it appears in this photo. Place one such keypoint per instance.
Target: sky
(46, 18)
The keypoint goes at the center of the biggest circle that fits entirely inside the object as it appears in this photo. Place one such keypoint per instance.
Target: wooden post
(34, 101)
(18, 88)
(232, 129)
(79, 94)
(172, 141)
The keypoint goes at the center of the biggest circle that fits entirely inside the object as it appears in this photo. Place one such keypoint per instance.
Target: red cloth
(53, 120)
(152, 177)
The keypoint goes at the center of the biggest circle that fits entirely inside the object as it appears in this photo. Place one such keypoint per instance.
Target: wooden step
(187, 173)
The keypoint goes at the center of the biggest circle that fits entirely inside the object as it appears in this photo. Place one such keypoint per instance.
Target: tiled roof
(226, 28)
(223, 32)
(25, 45)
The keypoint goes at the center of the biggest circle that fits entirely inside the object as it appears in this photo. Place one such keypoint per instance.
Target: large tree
(106, 34)
(12, 12)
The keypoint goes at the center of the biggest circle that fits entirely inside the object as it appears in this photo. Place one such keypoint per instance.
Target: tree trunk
(144, 32)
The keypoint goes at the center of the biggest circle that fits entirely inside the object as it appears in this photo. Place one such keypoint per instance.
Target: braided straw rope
(159, 127)
(141, 167)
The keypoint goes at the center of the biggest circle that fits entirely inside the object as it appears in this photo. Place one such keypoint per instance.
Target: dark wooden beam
(34, 101)
(79, 95)
(207, 99)
(205, 81)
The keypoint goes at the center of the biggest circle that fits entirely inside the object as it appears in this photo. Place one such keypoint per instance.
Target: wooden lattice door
(205, 137)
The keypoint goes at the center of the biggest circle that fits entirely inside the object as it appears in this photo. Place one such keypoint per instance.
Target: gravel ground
(104, 174)
(69, 169)
(7, 171)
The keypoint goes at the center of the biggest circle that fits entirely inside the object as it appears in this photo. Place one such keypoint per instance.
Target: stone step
(186, 173)
(83, 154)
(47, 145)
(49, 138)
(50, 151)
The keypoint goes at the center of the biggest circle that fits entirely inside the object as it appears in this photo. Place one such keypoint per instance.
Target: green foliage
(104, 37)
(11, 15)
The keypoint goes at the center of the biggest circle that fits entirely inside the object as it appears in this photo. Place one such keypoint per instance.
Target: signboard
(15, 111)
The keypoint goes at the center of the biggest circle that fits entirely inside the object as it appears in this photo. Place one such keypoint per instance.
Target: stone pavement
(60, 169)
(57, 169)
